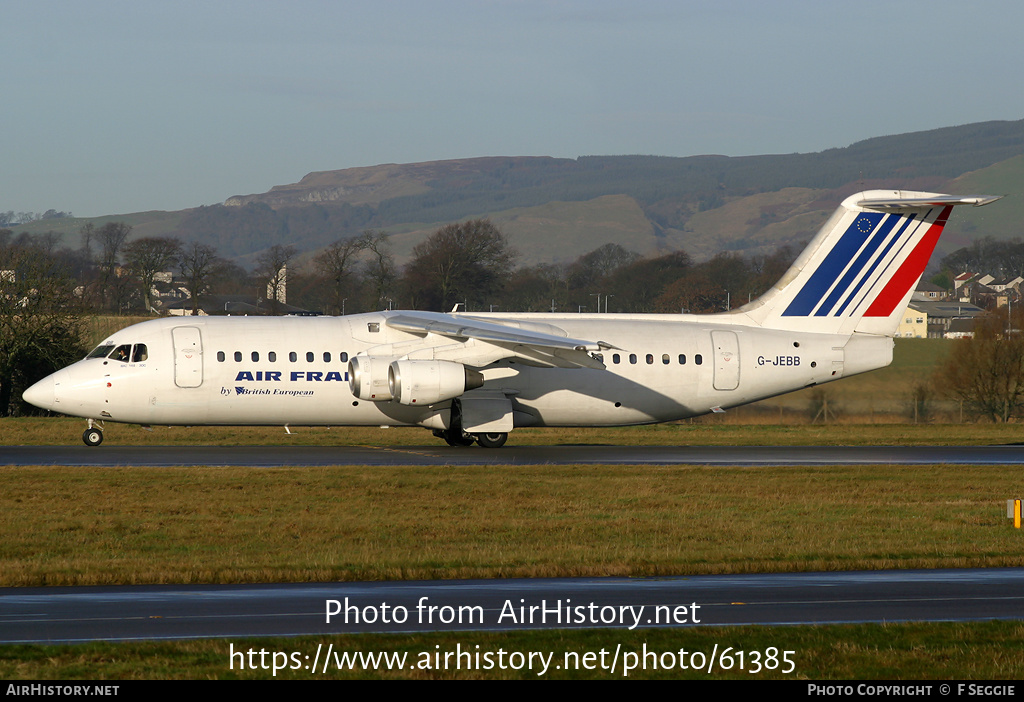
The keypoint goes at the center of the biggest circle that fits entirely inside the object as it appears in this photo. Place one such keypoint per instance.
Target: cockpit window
(140, 353)
(122, 353)
(101, 351)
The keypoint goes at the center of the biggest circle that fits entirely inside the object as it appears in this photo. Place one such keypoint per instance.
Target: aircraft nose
(41, 394)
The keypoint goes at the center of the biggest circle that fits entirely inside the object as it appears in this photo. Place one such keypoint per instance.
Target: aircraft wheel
(495, 440)
(458, 438)
(92, 437)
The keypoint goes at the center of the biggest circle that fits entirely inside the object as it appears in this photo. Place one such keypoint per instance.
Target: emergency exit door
(727, 360)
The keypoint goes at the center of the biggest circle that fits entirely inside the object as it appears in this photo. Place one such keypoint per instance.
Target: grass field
(88, 526)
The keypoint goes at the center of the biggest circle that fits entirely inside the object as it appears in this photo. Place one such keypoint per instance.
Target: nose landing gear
(93, 436)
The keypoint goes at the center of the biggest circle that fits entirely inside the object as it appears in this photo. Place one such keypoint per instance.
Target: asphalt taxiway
(432, 455)
(68, 615)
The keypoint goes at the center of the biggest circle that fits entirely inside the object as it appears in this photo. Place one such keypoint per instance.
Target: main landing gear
(493, 440)
(454, 435)
(461, 438)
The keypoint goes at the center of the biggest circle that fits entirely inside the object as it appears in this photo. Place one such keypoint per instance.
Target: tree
(272, 266)
(465, 261)
(335, 263)
(198, 264)
(986, 372)
(40, 330)
(380, 267)
(591, 268)
(694, 293)
(148, 256)
(113, 287)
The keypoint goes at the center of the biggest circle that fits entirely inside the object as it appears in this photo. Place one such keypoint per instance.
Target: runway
(68, 615)
(434, 455)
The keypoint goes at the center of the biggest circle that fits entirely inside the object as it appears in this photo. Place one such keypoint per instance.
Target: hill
(556, 209)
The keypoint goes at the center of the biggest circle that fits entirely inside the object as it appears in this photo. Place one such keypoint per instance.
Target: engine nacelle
(427, 382)
(368, 377)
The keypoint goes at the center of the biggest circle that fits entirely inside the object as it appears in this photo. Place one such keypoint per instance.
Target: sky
(114, 107)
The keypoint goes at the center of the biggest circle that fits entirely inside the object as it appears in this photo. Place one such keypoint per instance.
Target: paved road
(42, 615)
(509, 455)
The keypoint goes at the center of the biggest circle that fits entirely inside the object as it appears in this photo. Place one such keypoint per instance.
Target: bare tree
(335, 263)
(380, 267)
(198, 264)
(465, 261)
(272, 266)
(986, 372)
(148, 256)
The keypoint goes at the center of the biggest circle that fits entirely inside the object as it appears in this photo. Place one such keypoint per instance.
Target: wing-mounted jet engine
(426, 382)
(368, 377)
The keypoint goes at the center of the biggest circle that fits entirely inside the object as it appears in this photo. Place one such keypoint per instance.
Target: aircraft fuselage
(294, 370)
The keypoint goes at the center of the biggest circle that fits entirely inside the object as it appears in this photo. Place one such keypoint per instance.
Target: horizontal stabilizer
(917, 203)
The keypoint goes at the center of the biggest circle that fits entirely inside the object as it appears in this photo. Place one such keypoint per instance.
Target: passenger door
(188, 357)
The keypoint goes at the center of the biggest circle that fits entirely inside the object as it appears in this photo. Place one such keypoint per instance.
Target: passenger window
(238, 356)
(665, 358)
(616, 358)
(698, 359)
(632, 358)
(255, 356)
(293, 357)
(343, 357)
(327, 356)
(140, 353)
(272, 356)
(221, 356)
(650, 358)
(682, 359)
(309, 357)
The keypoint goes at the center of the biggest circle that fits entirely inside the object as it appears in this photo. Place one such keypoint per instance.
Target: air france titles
(309, 376)
(272, 376)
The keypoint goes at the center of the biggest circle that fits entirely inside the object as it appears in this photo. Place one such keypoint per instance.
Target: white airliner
(475, 377)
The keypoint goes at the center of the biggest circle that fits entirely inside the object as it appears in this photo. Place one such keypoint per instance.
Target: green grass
(92, 526)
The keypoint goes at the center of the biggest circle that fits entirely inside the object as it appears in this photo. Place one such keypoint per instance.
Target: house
(929, 292)
(932, 320)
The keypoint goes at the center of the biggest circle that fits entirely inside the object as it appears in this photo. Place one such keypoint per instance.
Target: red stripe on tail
(909, 273)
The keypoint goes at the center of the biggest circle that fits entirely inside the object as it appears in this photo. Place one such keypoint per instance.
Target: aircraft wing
(529, 344)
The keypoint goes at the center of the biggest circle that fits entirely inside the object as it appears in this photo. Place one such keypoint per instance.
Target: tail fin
(860, 270)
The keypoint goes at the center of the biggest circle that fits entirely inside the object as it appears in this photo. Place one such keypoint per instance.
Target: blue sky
(115, 107)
